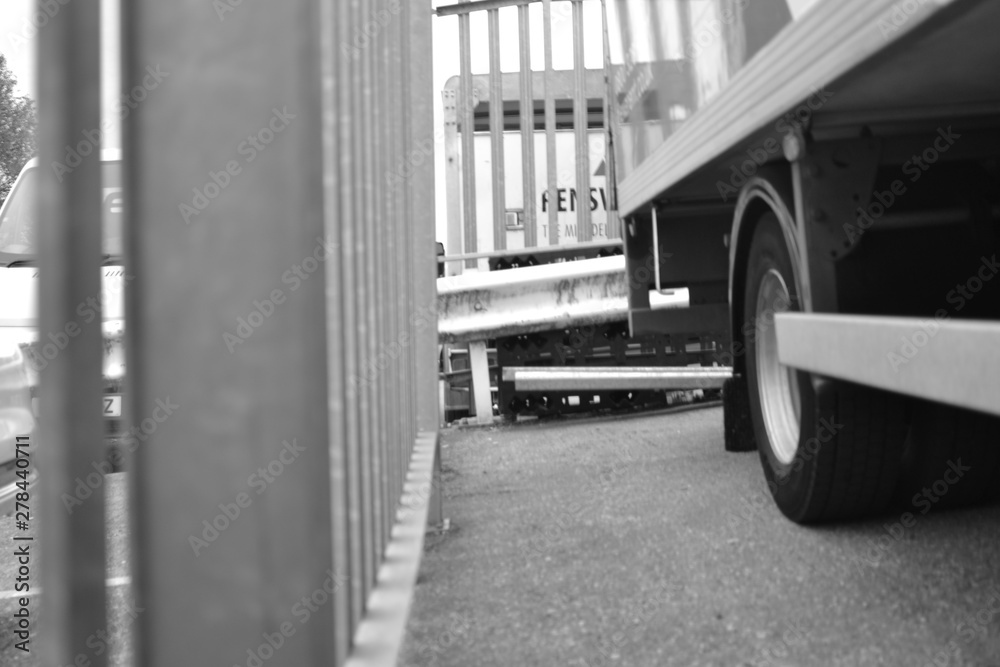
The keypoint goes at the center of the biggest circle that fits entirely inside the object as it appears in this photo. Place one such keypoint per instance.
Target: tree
(17, 130)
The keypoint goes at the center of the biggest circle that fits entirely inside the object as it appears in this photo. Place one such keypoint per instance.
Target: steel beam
(530, 299)
(951, 361)
(616, 378)
(535, 298)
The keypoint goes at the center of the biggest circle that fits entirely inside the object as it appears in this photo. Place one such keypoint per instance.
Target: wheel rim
(777, 384)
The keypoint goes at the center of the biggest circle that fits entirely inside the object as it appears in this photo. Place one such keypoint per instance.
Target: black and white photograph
(494, 333)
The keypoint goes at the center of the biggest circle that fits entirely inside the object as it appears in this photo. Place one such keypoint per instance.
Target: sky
(16, 45)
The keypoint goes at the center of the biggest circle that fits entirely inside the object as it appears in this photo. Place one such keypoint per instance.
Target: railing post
(226, 325)
(71, 539)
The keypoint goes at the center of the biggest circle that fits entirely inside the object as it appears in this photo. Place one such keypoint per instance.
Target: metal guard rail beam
(479, 306)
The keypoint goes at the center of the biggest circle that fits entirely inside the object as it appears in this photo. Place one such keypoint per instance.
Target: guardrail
(282, 245)
(475, 307)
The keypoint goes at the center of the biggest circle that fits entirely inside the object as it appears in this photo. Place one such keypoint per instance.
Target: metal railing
(484, 105)
(478, 306)
(281, 239)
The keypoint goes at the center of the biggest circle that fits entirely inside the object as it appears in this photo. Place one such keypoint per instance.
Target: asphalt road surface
(110, 639)
(639, 541)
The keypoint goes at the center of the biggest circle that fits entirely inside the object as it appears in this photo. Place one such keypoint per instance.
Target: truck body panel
(808, 70)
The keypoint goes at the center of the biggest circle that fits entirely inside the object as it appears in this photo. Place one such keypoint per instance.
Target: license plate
(112, 405)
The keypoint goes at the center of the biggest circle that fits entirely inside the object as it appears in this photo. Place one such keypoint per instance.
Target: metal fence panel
(281, 333)
(565, 105)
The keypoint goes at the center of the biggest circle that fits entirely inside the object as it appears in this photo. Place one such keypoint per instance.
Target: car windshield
(18, 216)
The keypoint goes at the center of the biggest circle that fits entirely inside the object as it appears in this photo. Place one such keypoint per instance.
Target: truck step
(563, 378)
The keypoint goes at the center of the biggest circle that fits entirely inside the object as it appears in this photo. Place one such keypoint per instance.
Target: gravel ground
(638, 541)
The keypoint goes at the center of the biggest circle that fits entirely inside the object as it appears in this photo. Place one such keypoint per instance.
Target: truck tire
(830, 450)
(952, 458)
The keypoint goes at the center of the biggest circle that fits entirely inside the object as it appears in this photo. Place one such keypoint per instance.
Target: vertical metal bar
(583, 231)
(403, 155)
(370, 405)
(657, 16)
(466, 106)
(688, 52)
(656, 250)
(420, 115)
(610, 118)
(69, 246)
(404, 261)
(639, 134)
(397, 265)
(378, 248)
(385, 248)
(231, 489)
(550, 128)
(496, 134)
(410, 155)
(527, 128)
(352, 279)
(391, 268)
(335, 71)
(453, 178)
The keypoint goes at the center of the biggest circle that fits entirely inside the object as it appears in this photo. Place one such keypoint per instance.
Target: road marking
(110, 583)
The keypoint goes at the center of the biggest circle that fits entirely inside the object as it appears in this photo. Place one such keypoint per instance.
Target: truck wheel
(829, 451)
(952, 458)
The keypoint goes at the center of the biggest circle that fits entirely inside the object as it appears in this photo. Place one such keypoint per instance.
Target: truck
(823, 177)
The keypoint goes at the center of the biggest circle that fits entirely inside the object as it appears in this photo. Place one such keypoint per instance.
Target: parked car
(17, 427)
(19, 285)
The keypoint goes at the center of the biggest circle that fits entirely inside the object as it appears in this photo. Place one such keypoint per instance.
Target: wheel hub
(778, 386)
